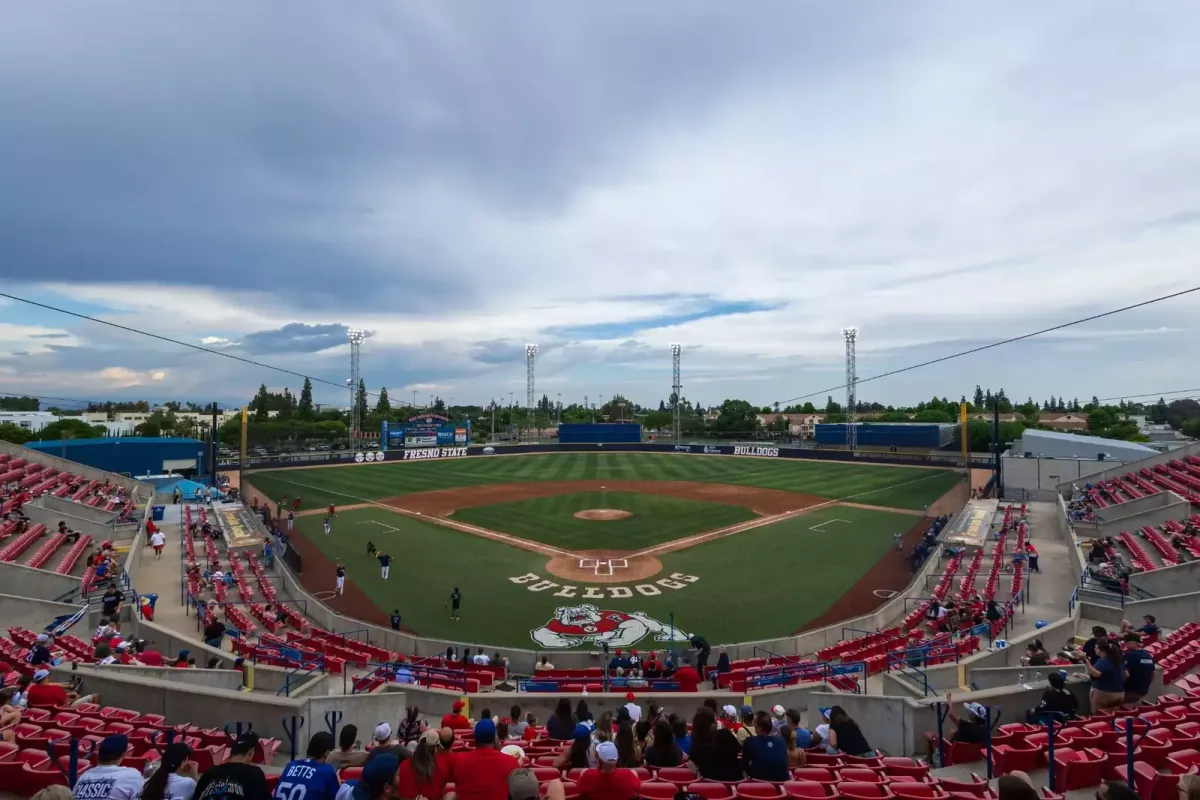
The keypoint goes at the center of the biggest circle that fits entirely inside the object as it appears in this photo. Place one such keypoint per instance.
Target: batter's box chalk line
(818, 526)
(603, 566)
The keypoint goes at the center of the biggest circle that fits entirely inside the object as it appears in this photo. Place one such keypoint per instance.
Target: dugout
(600, 433)
(918, 435)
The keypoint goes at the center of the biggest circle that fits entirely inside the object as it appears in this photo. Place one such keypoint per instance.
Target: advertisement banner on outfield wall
(753, 450)
(421, 441)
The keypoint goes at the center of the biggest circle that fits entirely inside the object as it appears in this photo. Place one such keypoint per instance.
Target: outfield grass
(656, 519)
(895, 487)
(760, 584)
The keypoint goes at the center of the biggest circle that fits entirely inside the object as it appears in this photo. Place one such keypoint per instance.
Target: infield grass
(655, 519)
(760, 584)
(895, 487)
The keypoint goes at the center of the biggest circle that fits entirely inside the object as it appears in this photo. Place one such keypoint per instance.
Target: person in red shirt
(687, 678)
(482, 773)
(332, 510)
(607, 782)
(456, 721)
(427, 772)
(296, 503)
(44, 694)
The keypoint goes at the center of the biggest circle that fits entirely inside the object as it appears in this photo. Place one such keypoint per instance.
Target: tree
(808, 408)
(978, 401)
(384, 406)
(735, 415)
(361, 400)
(1190, 428)
(71, 429)
(832, 406)
(1181, 411)
(19, 404)
(779, 424)
(14, 433)
(304, 409)
(260, 404)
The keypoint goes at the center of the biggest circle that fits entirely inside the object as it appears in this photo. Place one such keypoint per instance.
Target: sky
(461, 179)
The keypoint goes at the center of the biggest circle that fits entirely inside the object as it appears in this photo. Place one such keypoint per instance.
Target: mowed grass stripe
(655, 519)
(898, 487)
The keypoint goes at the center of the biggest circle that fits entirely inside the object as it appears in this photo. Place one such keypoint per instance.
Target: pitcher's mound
(602, 514)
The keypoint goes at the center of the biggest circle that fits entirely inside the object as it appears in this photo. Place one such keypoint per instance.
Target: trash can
(151, 598)
(158, 512)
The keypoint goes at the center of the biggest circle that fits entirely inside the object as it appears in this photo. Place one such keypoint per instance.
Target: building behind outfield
(131, 455)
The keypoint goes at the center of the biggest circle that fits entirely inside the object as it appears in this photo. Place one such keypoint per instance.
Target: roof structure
(1055, 444)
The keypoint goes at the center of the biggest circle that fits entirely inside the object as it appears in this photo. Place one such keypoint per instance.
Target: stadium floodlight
(531, 349)
(357, 336)
(676, 349)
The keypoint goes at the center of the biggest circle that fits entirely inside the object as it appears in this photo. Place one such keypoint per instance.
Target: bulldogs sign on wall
(586, 624)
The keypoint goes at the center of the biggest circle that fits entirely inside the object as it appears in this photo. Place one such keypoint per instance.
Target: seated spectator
(411, 727)
(607, 781)
(40, 655)
(1149, 630)
(583, 716)
(764, 755)
(796, 756)
(576, 756)
(455, 720)
(175, 778)
(424, 775)
(385, 743)
(679, 728)
(348, 752)
(44, 694)
(478, 772)
(687, 677)
(662, 751)
(108, 779)
(10, 714)
(531, 728)
(523, 784)
(1056, 703)
(1035, 655)
(716, 753)
(561, 726)
(970, 730)
(544, 665)
(845, 736)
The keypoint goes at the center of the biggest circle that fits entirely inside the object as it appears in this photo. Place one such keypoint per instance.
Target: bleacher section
(1181, 476)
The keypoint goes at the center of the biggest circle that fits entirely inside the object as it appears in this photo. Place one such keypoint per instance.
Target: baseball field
(571, 549)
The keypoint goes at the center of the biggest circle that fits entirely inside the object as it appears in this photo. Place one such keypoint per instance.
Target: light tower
(676, 389)
(356, 340)
(851, 336)
(531, 351)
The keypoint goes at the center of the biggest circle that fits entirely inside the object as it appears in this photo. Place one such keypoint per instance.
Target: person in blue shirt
(765, 756)
(320, 780)
(1139, 667)
(385, 564)
(395, 619)
(1108, 678)
(1150, 628)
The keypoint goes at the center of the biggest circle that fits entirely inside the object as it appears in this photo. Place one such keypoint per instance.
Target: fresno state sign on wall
(434, 452)
(770, 452)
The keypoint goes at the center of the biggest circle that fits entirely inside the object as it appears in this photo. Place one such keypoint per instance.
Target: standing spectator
(214, 633)
(111, 601)
(1139, 668)
(108, 780)
(1032, 553)
(845, 736)
(1108, 678)
(482, 773)
(1092, 647)
(607, 781)
(703, 652)
(158, 541)
(764, 754)
(395, 619)
(687, 678)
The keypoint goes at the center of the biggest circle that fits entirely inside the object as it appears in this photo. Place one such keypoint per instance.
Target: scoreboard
(424, 430)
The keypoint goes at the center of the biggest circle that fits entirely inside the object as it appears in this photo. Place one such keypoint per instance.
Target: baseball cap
(523, 785)
(606, 751)
(630, 697)
(122, 645)
(485, 731)
(747, 709)
(977, 709)
(383, 732)
(825, 712)
(112, 747)
(777, 710)
(459, 705)
(377, 773)
(41, 675)
(729, 711)
(244, 744)
(513, 750)
(42, 638)
(582, 731)
(431, 736)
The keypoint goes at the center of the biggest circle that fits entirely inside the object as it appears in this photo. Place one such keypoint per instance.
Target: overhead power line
(1149, 394)
(993, 345)
(180, 343)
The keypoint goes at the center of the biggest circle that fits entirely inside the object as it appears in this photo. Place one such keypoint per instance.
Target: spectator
(424, 775)
(778, 718)
(411, 727)
(723, 664)
(384, 743)
(531, 730)
(576, 756)
(1189, 788)
(764, 755)
(845, 736)
(523, 785)
(237, 778)
(804, 737)
(1035, 654)
(1139, 668)
(348, 752)
(716, 753)
(687, 677)
(377, 781)
(214, 633)
(607, 781)
(747, 729)
(44, 694)
(455, 720)
(1016, 786)
(482, 773)
(796, 757)
(111, 601)
(544, 665)
(39, 654)
(1055, 701)
(1108, 678)
(108, 780)
(662, 751)
(312, 774)
(1091, 648)
(583, 716)
(1119, 790)
(561, 726)
(679, 729)
(1149, 630)
(628, 753)
(970, 730)
(516, 726)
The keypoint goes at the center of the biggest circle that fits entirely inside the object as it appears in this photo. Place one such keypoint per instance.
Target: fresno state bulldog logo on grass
(576, 625)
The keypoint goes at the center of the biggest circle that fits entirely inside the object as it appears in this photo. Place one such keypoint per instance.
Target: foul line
(701, 538)
(524, 544)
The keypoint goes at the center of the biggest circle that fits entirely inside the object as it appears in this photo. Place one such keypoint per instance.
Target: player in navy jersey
(310, 778)
(385, 564)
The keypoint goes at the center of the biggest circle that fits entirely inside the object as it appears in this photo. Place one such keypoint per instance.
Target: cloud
(464, 179)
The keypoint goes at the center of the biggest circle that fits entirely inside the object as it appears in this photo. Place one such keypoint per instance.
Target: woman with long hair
(175, 778)
(423, 775)
(410, 728)
(716, 753)
(561, 726)
(576, 756)
(845, 736)
(795, 755)
(663, 752)
(581, 712)
(628, 753)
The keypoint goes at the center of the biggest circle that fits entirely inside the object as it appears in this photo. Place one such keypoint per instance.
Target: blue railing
(309, 664)
(786, 674)
(407, 673)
